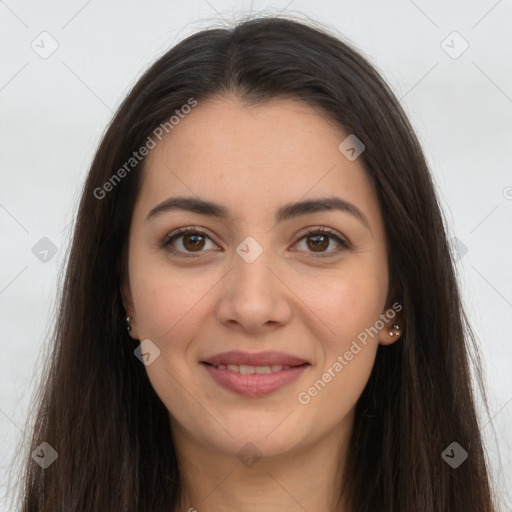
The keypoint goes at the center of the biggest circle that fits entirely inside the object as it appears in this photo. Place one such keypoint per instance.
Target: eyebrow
(287, 211)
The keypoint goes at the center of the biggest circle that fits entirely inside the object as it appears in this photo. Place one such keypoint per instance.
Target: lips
(254, 359)
(254, 375)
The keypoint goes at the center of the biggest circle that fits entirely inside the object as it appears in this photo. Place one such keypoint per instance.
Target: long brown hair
(96, 407)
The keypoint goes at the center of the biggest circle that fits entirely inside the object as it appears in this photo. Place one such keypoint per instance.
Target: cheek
(350, 309)
(350, 306)
(164, 305)
(169, 302)
(169, 312)
(346, 303)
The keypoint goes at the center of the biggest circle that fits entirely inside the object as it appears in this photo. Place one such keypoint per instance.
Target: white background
(54, 110)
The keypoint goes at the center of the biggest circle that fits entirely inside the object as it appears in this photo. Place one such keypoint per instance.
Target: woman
(260, 310)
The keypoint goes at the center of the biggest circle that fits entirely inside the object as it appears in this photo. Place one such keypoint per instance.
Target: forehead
(254, 157)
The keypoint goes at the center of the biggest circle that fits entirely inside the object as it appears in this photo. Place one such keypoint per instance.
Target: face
(296, 295)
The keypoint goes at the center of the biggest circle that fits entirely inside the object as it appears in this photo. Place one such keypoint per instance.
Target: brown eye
(191, 242)
(318, 242)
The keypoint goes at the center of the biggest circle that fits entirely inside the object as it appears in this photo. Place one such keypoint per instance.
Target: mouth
(254, 359)
(254, 375)
(245, 369)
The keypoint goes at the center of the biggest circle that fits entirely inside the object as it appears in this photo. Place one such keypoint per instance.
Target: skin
(252, 160)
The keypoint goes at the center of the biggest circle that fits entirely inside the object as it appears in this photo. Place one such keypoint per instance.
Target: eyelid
(343, 242)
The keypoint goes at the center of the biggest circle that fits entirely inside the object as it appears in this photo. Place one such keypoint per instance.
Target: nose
(254, 297)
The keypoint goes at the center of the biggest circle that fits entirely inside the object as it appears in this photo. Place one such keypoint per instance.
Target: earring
(128, 320)
(396, 327)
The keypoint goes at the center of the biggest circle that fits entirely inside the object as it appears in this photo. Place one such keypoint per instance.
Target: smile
(254, 381)
(245, 369)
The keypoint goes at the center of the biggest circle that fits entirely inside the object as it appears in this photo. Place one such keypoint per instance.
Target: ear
(126, 295)
(393, 319)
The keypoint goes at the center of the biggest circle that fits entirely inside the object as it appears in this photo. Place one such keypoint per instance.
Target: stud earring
(396, 327)
(128, 320)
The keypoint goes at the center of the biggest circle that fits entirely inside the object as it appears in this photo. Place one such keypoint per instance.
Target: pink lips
(254, 359)
(256, 384)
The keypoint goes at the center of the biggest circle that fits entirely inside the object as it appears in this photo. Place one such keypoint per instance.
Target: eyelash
(166, 242)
